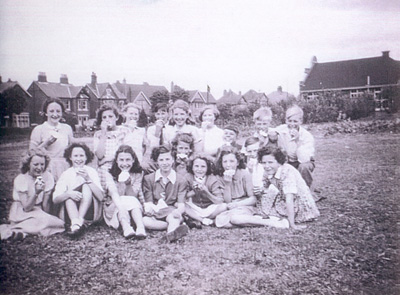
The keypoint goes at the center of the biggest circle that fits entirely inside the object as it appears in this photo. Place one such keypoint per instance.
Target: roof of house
(58, 90)
(253, 96)
(278, 95)
(10, 85)
(230, 97)
(135, 89)
(100, 90)
(203, 95)
(381, 70)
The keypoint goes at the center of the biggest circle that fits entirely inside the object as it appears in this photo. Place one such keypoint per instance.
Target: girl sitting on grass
(238, 192)
(124, 189)
(285, 192)
(182, 149)
(29, 212)
(205, 193)
(79, 189)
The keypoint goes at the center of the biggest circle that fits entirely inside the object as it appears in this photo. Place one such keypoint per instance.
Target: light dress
(35, 221)
(110, 210)
(64, 135)
(287, 180)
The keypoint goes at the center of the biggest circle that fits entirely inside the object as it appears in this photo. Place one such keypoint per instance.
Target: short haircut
(102, 109)
(180, 104)
(51, 100)
(219, 169)
(232, 128)
(251, 140)
(213, 109)
(277, 153)
(184, 137)
(294, 110)
(205, 158)
(131, 105)
(160, 106)
(264, 112)
(88, 152)
(27, 158)
(136, 168)
(157, 151)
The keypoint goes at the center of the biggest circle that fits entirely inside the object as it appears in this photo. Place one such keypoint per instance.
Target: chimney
(42, 77)
(385, 54)
(124, 81)
(314, 60)
(145, 84)
(94, 79)
(307, 71)
(240, 93)
(1, 81)
(225, 92)
(280, 89)
(172, 86)
(63, 79)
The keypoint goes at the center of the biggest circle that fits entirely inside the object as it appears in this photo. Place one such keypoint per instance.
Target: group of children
(169, 176)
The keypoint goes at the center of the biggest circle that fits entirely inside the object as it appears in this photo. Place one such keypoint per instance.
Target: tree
(158, 97)
(179, 93)
(11, 102)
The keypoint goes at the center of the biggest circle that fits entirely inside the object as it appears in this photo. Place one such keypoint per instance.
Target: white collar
(171, 177)
(278, 172)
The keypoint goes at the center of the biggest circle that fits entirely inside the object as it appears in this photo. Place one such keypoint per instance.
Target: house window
(82, 105)
(67, 104)
(312, 96)
(21, 120)
(82, 119)
(121, 104)
(356, 93)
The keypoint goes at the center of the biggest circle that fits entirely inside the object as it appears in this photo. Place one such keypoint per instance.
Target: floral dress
(287, 180)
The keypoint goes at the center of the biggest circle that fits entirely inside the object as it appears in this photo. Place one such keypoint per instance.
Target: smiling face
(132, 114)
(208, 116)
(53, 113)
(162, 114)
(179, 116)
(109, 117)
(252, 150)
(229, 136)
(294, 122)
(37, 166)
(270, 164)
(262, 124)
(183, 148)
(78, 157)
(165, 162)
(199, 168)
(125, 161)
(229, 162)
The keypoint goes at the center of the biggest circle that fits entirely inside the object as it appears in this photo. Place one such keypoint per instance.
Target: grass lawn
(353, 248)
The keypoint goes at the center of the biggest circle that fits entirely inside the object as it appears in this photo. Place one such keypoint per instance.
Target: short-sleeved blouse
(114, 139)
(25, 183)
(42, 132)
(214, 186)
(241, 185)
(136, 183)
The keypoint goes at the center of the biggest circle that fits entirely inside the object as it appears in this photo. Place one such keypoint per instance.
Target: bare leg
(72, 209)
(87, 199)
(254, 220)
(137, 217)
(154, 224)
(173, 222)
(220, 208)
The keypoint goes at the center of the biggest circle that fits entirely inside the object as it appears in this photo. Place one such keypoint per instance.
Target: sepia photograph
(199, 147)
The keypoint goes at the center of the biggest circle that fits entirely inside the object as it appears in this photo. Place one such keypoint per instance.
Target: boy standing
(298, 143)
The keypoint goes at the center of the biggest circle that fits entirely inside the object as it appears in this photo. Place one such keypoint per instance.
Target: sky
(226, 44)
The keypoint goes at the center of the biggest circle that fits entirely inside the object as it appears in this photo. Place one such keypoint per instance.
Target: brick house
(21, 120)
(255, 97)
(231, 98)
(74, 99)
(198, 100)
(139, 93)
(353, 77)
(101, 93)
(278, 96)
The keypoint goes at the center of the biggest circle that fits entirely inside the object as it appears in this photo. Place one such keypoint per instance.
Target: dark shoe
(178, 233)
(76, 232)
(192, 223)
